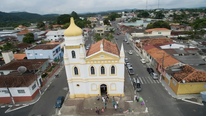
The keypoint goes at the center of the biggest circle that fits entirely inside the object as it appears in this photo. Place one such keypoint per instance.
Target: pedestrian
(102, 109)
(98, 97)
(113, 99)
(120, 110)
(113, 104)
(98, 112)
(115, 107)
(108, 100)
(96, 109)
(117, 103)
(106, 92)
(103, 100)
(105, 105)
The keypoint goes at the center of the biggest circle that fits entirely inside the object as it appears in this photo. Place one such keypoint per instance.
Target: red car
(118, 33)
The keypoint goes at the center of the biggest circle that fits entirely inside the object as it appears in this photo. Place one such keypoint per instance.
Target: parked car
(126, 60)
(59, 102)
(130, 52)
(150, 70)
(131, 71)
(127, 42)
(143, 61)
(154, 75)
(129, 65)
(118, 33)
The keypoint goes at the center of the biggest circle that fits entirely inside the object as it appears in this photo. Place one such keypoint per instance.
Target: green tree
(40, 24)
(97, 37)
(63, 19)
(158, 24)
(66, 26)
(29, 38)
(112, 16)
(74, 15)
(106, 22)
(50, 26)
(143, 14)
(159, 15)
(7, 47)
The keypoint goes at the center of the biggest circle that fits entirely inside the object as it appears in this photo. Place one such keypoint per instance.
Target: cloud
(81, 6)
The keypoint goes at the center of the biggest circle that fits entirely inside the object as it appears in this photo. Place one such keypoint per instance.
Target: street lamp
(12, 99)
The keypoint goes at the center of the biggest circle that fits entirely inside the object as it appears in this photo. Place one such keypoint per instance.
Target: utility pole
(12, 99)
(162, 66)
(33, 65)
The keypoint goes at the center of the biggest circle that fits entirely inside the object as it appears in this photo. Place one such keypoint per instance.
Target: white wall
(163, 33)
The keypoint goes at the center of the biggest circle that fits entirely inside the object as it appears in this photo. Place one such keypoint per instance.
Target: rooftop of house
(134, 30)
(146, 42)
(23, 32)
(23, 45)
(15, 79)
(19, 56)
(157, 54)
(148, 37)
(28, 63)
(45, 46)
(54, 42)
(190, 60)
(157, 29)
(107, 47)
(189, 74)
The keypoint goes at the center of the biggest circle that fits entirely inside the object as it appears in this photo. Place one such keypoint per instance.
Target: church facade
(99, 70)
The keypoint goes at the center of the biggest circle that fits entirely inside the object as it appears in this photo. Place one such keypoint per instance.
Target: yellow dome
(73, 30)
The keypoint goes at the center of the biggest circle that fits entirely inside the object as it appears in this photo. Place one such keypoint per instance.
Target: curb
(25, 105)
(201, 104)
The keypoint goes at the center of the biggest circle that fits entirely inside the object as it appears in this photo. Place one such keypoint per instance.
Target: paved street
(158, 101)
(46, 105)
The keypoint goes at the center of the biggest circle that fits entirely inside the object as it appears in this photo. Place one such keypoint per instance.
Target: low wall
(191, 88)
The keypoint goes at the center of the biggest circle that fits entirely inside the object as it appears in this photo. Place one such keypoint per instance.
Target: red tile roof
(157, 29)
(107, 46)
(146, 42)
(23, 45)
(23, 32)
(148, 47)
(189, 74)
(19, 56)
(13, 65)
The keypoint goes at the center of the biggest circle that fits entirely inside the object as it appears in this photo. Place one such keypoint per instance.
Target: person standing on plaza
(98, 97)
(120, 110)
(103, 100)
(105, 105)
(115, 107)
(113, 103)
(113, 99)
(102, 109)
(117, 102)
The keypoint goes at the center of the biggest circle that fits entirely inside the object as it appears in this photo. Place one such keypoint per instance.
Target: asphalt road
(46, 105)
(158, 101)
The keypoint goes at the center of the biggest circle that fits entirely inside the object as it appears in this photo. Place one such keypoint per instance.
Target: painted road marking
(157, 81)
(141, 80)
(150, 79)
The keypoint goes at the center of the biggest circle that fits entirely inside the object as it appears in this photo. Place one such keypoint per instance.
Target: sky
(83, 6)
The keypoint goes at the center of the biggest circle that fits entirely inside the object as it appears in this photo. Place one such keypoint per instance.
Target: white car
(127, 42)
(130, 52)
(143, 61)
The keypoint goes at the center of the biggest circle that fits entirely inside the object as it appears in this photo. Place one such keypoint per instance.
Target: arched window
(92, 70)
(102, 70)
(76, 71)
(112, 70)
(73, 54)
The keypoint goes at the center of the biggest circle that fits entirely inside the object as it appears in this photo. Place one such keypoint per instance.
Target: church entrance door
(103, 89)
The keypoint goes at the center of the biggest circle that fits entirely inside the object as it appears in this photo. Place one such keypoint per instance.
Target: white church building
(95, 71)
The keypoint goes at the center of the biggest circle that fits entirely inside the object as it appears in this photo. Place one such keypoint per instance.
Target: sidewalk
(20, 105)
(192, 98)
(86, 106)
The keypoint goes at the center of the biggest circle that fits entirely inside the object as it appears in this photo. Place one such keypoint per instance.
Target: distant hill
(9, 19)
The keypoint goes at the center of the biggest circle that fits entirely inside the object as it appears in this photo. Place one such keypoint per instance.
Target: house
(99, 30)
(45, 51)
(23, 85)
(12, 33)
(99, 70)
(186, 80)
(22, 34)
(20, 27)
(158, 31)
(55, 35)
(59, 42)
(93, 20)
(21, 47)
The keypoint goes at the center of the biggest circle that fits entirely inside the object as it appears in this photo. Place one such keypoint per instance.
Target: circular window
(77, 85)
